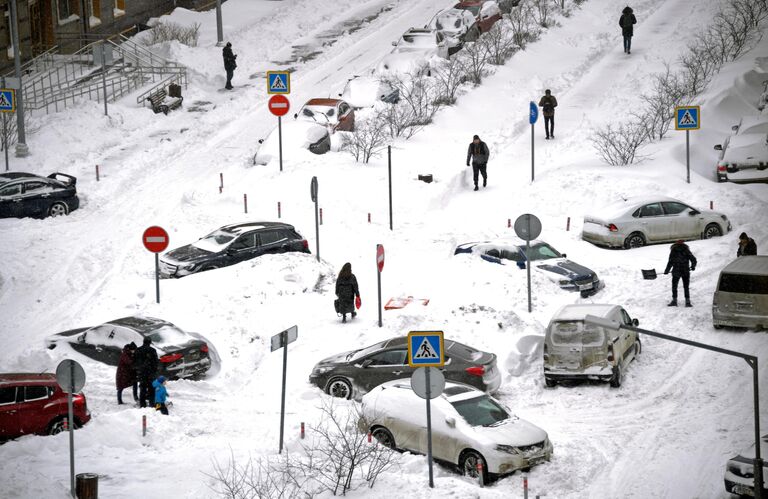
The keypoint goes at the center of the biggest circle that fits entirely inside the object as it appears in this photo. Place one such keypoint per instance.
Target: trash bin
(426, 178)
(87, 486)
(174, 90)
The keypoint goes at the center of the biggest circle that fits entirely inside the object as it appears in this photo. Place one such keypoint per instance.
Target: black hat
(229, 44)
(743, 235)
(147, 340)
(475, 138)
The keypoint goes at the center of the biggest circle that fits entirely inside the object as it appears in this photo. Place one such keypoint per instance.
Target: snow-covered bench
(161, 103)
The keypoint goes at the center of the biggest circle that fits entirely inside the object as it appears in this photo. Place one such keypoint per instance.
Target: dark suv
(29, 195)
(35, 404)
(232, 244)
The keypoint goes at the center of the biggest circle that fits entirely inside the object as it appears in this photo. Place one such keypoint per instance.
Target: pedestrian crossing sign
(7, 100)
(278, 82)
(426, 349)
(687, 118)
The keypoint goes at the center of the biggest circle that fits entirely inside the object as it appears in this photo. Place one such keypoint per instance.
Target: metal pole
(528, 267)
(157, 276)
(280, 140)
(532, 172)
(429, 428)
(758, 463)
(378, 278)
(687, 157)
(104, 74)
(219, 27)
(284, 340)
(5, 139)
(21, 147)
(71, 430)
(389, 168)
(317, 231)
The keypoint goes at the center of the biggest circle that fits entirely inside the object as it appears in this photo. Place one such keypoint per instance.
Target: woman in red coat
(126, 375)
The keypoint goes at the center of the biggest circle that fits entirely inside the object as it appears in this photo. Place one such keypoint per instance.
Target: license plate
(743, 306)
(742, 490)
(583, 287)
(535, 460)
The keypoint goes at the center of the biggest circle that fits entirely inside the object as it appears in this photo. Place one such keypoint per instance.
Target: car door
(655, 224)
(9, 412)
(447, 440)
(383, 366)
(245, 247)
(274, 241)
(346, 117)
(685, 221)
(624, 338)
(11, 200)
(99, 343)
(632, 335)
(33, 416)
(36, 198)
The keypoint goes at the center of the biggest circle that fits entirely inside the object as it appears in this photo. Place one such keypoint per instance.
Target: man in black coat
(747, 245)
(346, 291)
(145, 363)
(680, 257)
(229, 64)
(478, 152)
(627, 21)
(548, 103)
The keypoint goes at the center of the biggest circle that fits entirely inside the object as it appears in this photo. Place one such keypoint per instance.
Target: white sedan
(414, 51)
(468, 428)
(298, 136)
(457, 26)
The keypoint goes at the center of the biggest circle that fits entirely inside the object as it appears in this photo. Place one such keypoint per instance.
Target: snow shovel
(649, 274)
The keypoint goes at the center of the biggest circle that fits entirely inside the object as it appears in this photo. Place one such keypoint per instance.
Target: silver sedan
(635, 222)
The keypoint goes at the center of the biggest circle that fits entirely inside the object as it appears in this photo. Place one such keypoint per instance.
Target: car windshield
(474, 9)
(576, 333)
(168, 335)
(322, 114)
(416, 42)
(480, 411)
(215, 241)
(542, 251)
(355, 356)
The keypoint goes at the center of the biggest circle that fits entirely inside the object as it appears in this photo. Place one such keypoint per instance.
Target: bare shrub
(263, 478)
(542, 12)
(417, 106)
(500, 42)
(167, 31)
(753, 12)
(9, 132)
(619, 145)
(474, 58)
(523, 25)
(368, 139)
(449, 75)
(667, 92)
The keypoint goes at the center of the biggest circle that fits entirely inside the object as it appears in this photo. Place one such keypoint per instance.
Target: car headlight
(187, 266)
(565, 282)
(508, 449)
(321, 370)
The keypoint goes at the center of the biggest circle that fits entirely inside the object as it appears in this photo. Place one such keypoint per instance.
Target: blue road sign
(278, 82)
(7, 100)
(534, 113)
(687, 118)
(425, 349)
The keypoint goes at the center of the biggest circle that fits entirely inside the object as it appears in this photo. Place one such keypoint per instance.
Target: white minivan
(741, 297)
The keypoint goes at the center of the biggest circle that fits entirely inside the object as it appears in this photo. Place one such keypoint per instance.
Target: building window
(119, 8)
(67, 12)
(95, 10)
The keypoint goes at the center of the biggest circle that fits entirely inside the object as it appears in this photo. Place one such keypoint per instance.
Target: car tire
(206, 268)
(549, 382)
(339, 387)
(638, 347)
(634, 240)
(57, 209)
(58, 425)
(712, 230)
(468, 464)
(618, 376)
(717, 326)
(384, 437)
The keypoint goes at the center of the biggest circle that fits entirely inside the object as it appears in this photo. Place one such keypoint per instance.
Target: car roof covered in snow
(323, 102)
(578, 311)
(452, 392)
(15, 378)
(747, 148)
(750, 265)
(9, 176)
(140, 324)
(247, 226)
(620, 207)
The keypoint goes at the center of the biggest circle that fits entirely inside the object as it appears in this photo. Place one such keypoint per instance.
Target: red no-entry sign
(279, 105)
(155, 239)
(380, 256)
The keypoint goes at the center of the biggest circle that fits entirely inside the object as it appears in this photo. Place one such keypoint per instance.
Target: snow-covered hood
(513, 431)
(297, 135)
(562, 267)
(340, 358)
(186, 254)
(404, 62)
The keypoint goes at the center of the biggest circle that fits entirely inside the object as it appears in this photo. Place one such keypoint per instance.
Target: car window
(625, 317)
(343, 109)
(11, 190)
(673, 207)
(651, 210)
(494, 253)
(7, 395)
(480, 411)
(245, 241)
(389, 358)
(364, 352)
(307, 112)
(512, 254)
(31, 187)
(741, 283)
(543, 252)
(111, 335)
(35, 393)
(168, 335)
(576, 333)
(271, 237)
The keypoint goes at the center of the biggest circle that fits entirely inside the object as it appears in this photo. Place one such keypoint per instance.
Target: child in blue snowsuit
(161, 394)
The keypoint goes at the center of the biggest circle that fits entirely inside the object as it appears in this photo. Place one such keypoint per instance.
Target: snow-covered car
(298, 135)
(469, 427)
(335, 114)
(763, 101)
(414, 52)
(457, 25)
(486, 12)
(636, 221)
(744, 155)
(30, 195)
(365, 91)
(740, 471)
(567, 274)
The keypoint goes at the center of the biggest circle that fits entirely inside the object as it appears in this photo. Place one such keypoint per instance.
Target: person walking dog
(680, 257)
(548, 103)
(478, 152)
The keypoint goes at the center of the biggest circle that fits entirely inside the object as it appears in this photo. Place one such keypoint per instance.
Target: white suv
(740, 471)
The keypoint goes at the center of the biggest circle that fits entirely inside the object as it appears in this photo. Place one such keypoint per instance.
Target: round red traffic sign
(279, 105)
(155, 239)
(380, 256)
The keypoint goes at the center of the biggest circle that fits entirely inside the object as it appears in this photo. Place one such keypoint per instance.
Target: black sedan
(359, 371)
(232, 244)
(181, 354)
(29, 195)
(567, 274)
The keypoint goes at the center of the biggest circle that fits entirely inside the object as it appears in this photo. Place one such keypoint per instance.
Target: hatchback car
(457, 25)
(414, 52)
(181, 354)
(486, 12)
(29, 195)
(335, 114)
(743, 158)
(468, 428)
(637, 221)
(365, 91)
(298, 135)
(33, 403)
(567, 274)
(232, 244)
(740, 471)
(354, 373)
(741, 296)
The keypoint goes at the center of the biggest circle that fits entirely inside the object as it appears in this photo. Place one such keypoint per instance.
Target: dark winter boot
(673, 303)
(688, 303)
(354, 314)
(485, 183)
(344, 319)
(475, 187)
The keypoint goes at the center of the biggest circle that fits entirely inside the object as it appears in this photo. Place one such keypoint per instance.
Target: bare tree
(542, 12)
(166, 31)
(449, 75)
(619, 145)
(500, 42)
(417, 106)
(523, 25)
(368, 139)
(667, 92)
(474, 58)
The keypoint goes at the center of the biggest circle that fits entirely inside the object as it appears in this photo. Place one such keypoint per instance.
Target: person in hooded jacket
(346, 291)
(548, 103)
(126, 374)
(229, 64)
(145, 363)
(478, 152)
(627, 21)
(161, 395)
(680, 257)
(747, 245)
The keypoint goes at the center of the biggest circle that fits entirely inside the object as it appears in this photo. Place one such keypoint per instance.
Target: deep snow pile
(666, 433)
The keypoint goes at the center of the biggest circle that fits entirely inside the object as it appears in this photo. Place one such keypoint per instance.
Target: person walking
(478, 152)
(161, 395)
(145, 363)
(346, 292)
(747, 245)
(680, 257)
(548, 103)
(627, 21)
(229, 64)
(126, 374)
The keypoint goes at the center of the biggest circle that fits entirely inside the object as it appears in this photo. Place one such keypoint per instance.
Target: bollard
(279, 211)
(369, 218)
(568, 224)
(87, 486)
(144, 425)
(369, 437)
(509, 223)
(321, 216)
(245, 202)
(525, 486)
(480, 473)
(220, 189)
(221, 180)
(302, 430)
(97, 173)
(711, 205)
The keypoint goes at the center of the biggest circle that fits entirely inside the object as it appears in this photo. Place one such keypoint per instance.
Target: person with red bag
(347, 293)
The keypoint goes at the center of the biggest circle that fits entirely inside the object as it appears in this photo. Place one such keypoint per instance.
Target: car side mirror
(261, 141)
(565, 256)
(521, 265)
(719, 147)
(81, 338)
(295, 115)
(450, 421)
(635, 322)
(366, 363)
(735, 128)
(693, 213)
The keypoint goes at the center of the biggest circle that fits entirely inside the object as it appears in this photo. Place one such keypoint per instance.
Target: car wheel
(638, 347)
(468, 464)
(551, 383)
(384, 437)
(634, 240)
(57, 426)
(340, 387)
(717, 326)
(712, 230)
(206, 268)
(618, 376)
(58, 209)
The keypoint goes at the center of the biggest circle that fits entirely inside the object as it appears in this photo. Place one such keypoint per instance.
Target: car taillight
(546, 353)
(475, 370)
(722, 168)
(610, 353)
(305, 244)
(204, 348)
(612, 228)
(171, 357)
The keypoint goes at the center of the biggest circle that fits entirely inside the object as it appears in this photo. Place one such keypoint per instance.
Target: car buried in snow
(413, 53)
(457, 25)
(29, 195)
(297, 136)
(740, 471)
(365, 90)
(469, 429)
(335, 114)
(743, 156)
(545, 259)
(181, 354)
(486, 12)
(352, 374)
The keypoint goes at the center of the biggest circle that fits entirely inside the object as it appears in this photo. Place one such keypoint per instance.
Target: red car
(335, 114)
(486, 12)
(35, 404)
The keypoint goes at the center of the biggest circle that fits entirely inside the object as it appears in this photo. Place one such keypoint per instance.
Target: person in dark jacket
(627, 21)
(548, 103)
(747, 245)
(145, 363)
(126, 374)
(478, 152)
(346, 291)
(229, 64)
(161, 395)
(680, 257)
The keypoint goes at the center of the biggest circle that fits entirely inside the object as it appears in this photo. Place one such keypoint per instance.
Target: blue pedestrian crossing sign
(687, 118)
(425, 349)
(278, 82)
(7, 100)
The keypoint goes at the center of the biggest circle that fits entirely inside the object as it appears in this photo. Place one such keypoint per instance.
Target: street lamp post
(219, 27)
(21, 143)
(751, 360)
